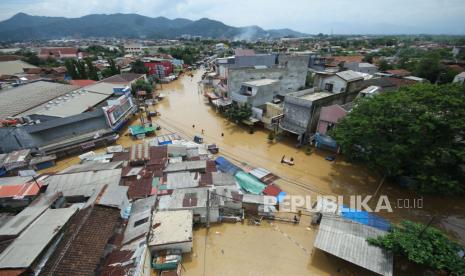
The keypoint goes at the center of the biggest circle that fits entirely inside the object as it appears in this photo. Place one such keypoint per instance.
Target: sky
(308, 16)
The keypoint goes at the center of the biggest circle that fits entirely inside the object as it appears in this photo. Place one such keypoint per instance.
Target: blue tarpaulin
(325, 141)
(365, 218)
(225, 166)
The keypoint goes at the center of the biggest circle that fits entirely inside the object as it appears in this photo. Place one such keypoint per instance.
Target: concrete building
(362, 67)
(171, 230)
(331, 115)
(290, 71)
(302, 110)
(345, 81)
(133, 48)
(257, 92)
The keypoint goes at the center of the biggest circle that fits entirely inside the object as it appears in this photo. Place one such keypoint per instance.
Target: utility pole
(38, 185)
(426, 227)
(208, 209)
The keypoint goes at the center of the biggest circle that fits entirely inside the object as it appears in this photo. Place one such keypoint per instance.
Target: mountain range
(22, 27)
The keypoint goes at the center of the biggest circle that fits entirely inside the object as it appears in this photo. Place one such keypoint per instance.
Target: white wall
(337, 82)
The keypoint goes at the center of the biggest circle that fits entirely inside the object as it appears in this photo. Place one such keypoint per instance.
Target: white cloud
(310, 16)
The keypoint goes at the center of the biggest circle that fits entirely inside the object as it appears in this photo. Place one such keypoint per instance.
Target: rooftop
(20, 99)
(122, 78)
(350, 75)
(261, 82)
(347, 240)
(14, 67)
(139, 222)
(29, 245)
(309, 95)
(170, 227)
(179, 180)
(186, 166)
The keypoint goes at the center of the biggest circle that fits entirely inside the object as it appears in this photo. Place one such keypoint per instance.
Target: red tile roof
(81, 83)
(80, 250)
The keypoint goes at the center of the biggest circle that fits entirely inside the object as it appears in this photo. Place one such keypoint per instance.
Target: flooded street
(279, 248)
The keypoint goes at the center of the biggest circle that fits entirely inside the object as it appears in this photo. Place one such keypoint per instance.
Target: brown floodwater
(281, 248)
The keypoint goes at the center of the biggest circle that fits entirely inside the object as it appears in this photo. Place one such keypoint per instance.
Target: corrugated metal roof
(18, 100)
(347, 240)
(180, 180)
(223, 179)
(82, 183)
(22, 220)
(30, 244)
(92, 166)
(140, 210)
(186, 166)
(350, 75)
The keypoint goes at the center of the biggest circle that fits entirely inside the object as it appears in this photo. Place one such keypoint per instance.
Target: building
(133, 49)
(126, 79)
(289, 70)
(345, 81)
(194, 199)
(59, 53)
(362, 67)
(398, 73)
(348, 240)
(460, 78)
(25, 254)
(171, 230)
(387, 84)
(14, 67)
(257, 92)
(302, 110)
(331, 115)
(28, 96)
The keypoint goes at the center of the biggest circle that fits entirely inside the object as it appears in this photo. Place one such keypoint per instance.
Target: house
(126, 79)
(460, 78)
(335, 231)
(171, 230)
(18, 194)
(14, 161)
(340, 61)
(362, 67)
(331, 115)
(133, 48)
(194, 199)
(81, 83)
(387, 83)
(257, 92)
(302, 110)
(289, 70)
(25, 254)
(59, 53)
(160, 67)
(345, 81)
(398, 73)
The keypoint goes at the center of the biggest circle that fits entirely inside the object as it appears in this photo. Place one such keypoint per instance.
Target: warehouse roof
(29, 245)
(170, 227)
(20, 99)
(14, 67)
(348, 240)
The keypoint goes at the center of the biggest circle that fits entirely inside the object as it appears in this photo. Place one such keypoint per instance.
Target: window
(329, 87)
(141, 221)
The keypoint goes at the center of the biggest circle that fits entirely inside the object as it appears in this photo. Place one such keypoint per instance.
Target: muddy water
(246, 250)
(280, 248)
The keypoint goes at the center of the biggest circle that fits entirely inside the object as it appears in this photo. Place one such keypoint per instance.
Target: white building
(133, 49)
(171, 230)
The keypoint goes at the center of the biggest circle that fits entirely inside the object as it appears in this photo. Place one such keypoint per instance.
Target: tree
(111, 70)
(415, 132)
(91, 70)
(139, 67)
(384, 65)
(423, 245)
(238, 112)
(142, 85)
(71, 69)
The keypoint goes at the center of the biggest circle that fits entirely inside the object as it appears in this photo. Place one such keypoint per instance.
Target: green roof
(249, 183)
